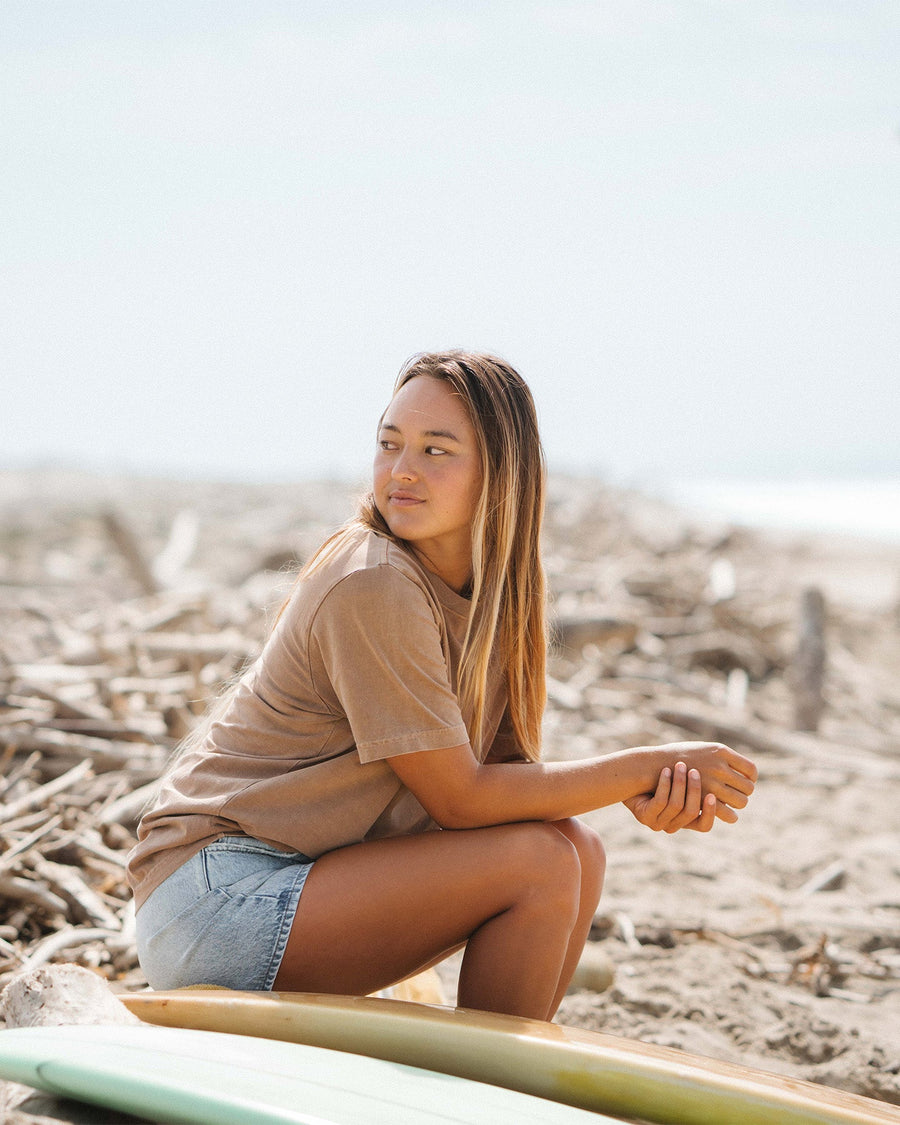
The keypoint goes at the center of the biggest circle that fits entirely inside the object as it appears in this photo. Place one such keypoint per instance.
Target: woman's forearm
(458, 792)
(515, 791)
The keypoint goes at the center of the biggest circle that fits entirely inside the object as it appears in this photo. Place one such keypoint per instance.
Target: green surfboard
(210, 1078)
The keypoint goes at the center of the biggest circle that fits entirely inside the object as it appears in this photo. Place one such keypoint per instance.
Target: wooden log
(104, 754)
(87, 842)
(563, 695)
(829, 878)
(178, 551)
(23, 769)
(25, 822)
(19, 703)
(66, 708)
(136, 727)
(27, 890)
(722, 585)
(68, 883)
(126, 542)
(127, 809)
(56, 995)
(174, 685)
(43, 793)
(807, 676)
(736, 690)
(594, 971)
(10, 857)
(723, 651)
(151, 615)
(573, 633)
(60, 673)
(210, 646)
(423, 988)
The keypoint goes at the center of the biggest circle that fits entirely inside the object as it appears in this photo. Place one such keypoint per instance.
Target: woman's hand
(725, 773)
(677, 803)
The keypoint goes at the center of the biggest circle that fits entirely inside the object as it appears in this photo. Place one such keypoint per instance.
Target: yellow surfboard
(603, 1073)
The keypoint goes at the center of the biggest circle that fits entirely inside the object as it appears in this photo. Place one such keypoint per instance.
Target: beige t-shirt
(361, 665)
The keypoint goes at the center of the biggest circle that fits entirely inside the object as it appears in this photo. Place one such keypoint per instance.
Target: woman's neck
(457, 574)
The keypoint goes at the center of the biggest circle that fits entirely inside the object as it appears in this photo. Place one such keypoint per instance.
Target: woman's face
(427, 475)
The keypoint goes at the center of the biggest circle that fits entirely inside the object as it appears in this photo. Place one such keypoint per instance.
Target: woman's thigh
(373, 913)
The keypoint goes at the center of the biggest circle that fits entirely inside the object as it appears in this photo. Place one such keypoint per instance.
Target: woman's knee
(550, 865)
(590, 851)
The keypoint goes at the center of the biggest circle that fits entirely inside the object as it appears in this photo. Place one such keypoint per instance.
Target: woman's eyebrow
(425, 433)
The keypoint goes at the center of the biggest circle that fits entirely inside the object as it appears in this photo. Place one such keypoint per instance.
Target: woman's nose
(403, 467)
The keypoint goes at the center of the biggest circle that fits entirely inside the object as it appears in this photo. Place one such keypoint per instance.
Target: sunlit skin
(427, 476)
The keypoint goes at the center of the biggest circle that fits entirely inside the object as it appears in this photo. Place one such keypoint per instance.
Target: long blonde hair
(508, 584)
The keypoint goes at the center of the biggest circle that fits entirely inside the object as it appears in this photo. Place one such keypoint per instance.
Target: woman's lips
(404, 499)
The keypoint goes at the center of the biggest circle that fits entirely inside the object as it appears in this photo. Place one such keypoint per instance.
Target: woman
(293, 842)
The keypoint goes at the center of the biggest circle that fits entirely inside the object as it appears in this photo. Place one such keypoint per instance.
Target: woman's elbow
(453, 817)
(455, 812)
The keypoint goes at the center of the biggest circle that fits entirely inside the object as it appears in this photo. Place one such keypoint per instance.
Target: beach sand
(773, 942)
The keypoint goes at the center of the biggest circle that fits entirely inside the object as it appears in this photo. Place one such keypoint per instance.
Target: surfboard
(213, 1078)
(602, 1073)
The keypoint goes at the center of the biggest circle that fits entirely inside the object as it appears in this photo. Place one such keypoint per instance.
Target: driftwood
(53, 996)
(662, 630)
(808, 677)
(42, 793)
(98, 682)
(61, 995)
(765, 738)
(124, 539)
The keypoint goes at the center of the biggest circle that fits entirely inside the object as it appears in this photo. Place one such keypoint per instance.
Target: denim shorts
(224, 917)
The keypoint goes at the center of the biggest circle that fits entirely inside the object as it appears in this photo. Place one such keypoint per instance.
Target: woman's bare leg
(592, 859)
(374, 913)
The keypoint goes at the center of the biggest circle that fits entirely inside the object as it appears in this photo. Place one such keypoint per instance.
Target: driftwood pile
(109, 649)
(670, 630)
(124, 605)
(667, 629)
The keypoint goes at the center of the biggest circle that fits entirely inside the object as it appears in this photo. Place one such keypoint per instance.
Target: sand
(773, 942)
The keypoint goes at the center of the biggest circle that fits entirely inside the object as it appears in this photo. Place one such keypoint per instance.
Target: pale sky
(226, 224)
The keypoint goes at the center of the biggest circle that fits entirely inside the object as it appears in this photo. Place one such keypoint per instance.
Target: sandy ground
(773, 942)
(776, 941)
(730, 941)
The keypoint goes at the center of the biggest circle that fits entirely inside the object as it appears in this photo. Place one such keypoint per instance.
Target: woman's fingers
(686, 809)
(661, 796)
(725, 813)
(707, 817)
(720, 766)
(679, 788)
(727, 793)
(740, 783)
(696, 795)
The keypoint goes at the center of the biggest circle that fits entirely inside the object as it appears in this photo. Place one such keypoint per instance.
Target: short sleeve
(378, 639)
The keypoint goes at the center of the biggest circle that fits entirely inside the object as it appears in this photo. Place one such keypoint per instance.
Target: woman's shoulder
(361, 550)
(360, 562)
(364, 561)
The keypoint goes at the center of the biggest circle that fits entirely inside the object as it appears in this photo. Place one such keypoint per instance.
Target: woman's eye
(386, 445)
(434, 451)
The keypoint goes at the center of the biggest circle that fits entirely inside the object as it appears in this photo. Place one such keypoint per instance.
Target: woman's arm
(458, 792)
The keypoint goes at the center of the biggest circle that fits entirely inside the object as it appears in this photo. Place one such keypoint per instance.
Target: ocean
(862, 509)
